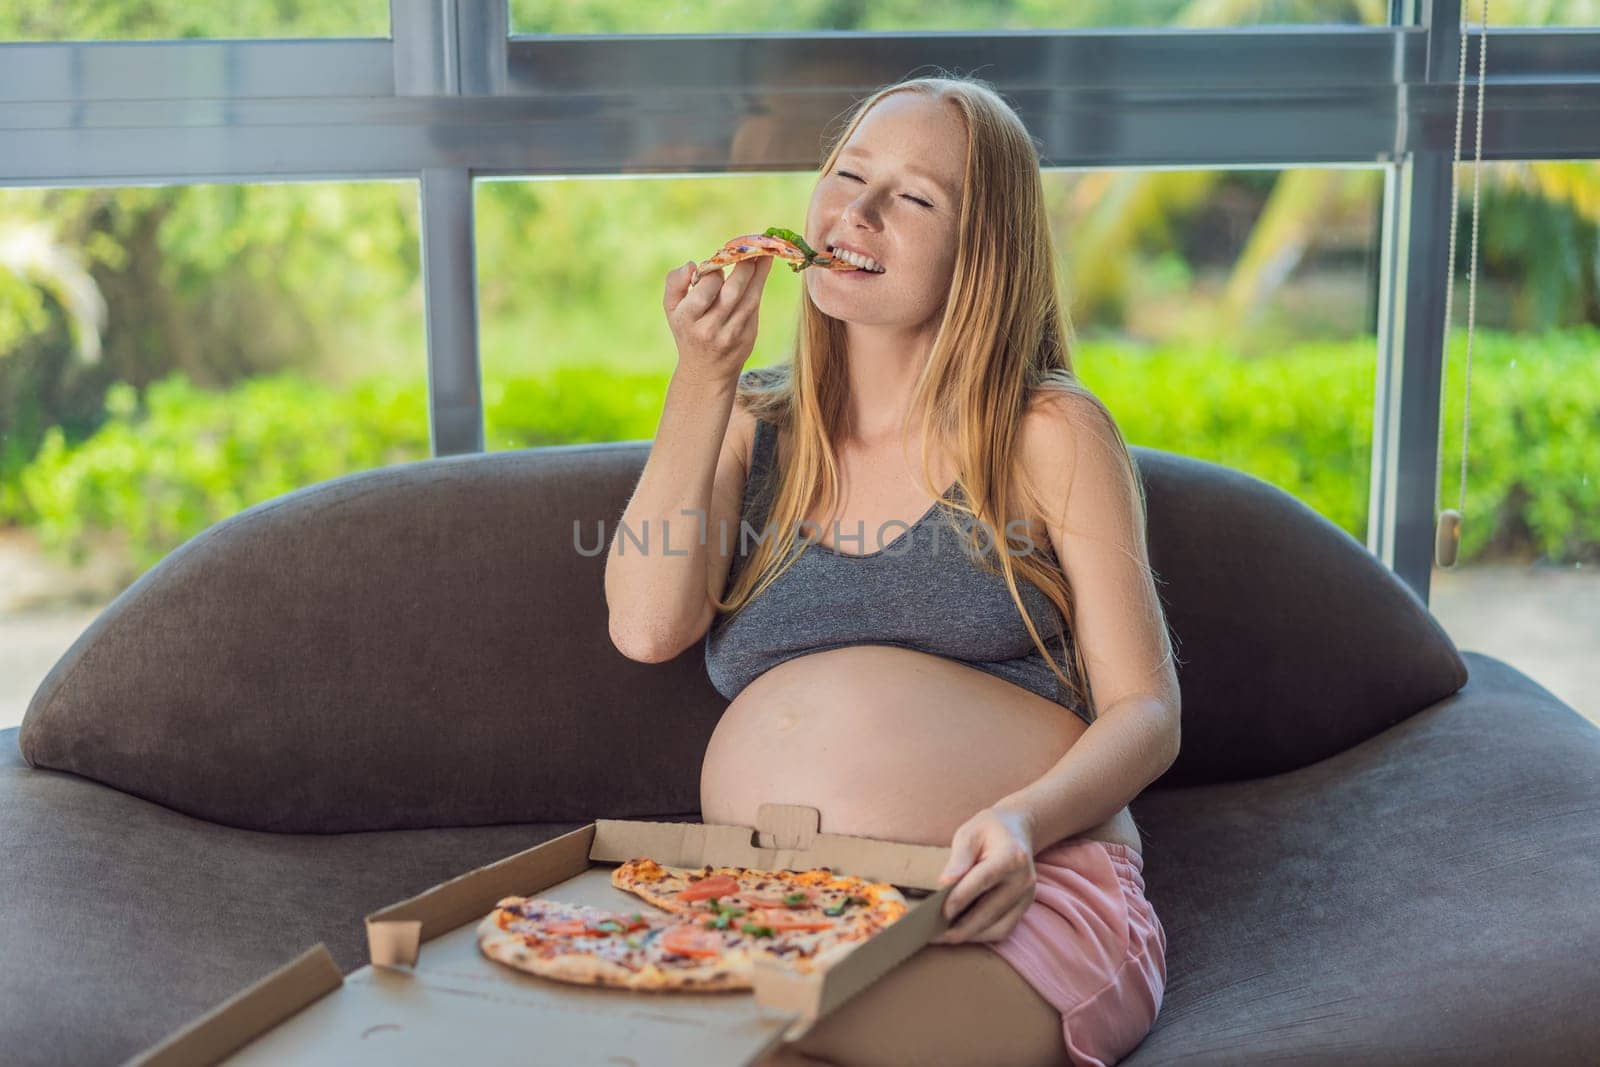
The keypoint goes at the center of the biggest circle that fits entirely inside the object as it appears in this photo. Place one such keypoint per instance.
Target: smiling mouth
(853, 266)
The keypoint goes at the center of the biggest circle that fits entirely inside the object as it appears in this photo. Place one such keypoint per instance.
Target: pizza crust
(729, 972)
(659, 885)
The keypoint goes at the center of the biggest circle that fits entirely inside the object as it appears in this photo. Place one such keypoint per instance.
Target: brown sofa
(1373, 848)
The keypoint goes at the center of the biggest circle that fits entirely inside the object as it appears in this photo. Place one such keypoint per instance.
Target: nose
(861, 212)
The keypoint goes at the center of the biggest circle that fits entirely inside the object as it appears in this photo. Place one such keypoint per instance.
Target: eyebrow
(944, 187)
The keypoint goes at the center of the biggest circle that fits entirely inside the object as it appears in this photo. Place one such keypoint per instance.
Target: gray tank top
(919, 590)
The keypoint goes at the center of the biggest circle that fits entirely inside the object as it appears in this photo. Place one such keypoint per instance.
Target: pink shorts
(1091, 944)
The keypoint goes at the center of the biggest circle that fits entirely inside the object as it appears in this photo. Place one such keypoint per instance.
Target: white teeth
(864, 262)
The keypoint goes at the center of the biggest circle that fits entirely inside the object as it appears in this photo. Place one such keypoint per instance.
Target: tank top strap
(758, 485)
(763, 450)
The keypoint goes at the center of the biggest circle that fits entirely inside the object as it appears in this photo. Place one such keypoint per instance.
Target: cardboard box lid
(411, 1006)
(251, 1011)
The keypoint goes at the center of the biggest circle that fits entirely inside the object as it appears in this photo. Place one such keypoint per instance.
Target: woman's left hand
(992, 856)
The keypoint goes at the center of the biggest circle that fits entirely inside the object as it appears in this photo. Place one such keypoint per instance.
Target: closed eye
(908, 196)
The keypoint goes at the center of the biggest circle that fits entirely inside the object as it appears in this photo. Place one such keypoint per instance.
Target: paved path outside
(30, 644)
(1544, 622)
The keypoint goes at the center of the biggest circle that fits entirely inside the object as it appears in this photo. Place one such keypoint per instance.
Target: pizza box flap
(786, 837)
(249, 1013)
(396, 933)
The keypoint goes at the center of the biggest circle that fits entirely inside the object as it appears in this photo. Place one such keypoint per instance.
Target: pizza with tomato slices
(594, 946)
(851, 908)
(712, 924)
(776, 242)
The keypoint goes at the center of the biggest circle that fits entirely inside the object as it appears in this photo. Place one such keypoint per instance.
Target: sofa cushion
(427, 645)
(414, 646)
(1295, 642)
(1426, 897)
(121, 920)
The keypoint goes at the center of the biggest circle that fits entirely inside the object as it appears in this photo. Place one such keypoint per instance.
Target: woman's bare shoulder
(1056, 417)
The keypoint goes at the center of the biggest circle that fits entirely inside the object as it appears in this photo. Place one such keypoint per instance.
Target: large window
(172, 355)
(212, 286)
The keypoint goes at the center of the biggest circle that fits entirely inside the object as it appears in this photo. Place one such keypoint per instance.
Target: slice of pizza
(585, 945)
(837, 907)
(776, 241)
(703, 951)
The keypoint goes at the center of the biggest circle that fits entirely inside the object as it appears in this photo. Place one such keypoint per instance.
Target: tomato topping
(717, 885)
(782, 900)
(784, 919)
(611, 924)
(686, 940)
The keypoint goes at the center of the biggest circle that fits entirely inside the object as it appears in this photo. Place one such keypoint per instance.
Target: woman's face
(893, 192)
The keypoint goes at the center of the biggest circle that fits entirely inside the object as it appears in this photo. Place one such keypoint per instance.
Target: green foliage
(570, 405)
(1538, 239)
(1304, 423)
(22, 310)
(186, 458)
(216, 283)
(190, 457)
(97, 20)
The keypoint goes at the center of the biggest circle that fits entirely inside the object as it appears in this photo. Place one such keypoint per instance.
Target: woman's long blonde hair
(1002, 337)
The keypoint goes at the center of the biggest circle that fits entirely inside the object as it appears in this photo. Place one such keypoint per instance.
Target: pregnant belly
(885, 742)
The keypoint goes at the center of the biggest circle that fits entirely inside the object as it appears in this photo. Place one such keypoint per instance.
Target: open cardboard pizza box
(451, 1004)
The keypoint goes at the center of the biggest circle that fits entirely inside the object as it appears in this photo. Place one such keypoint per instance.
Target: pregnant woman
(988, 669)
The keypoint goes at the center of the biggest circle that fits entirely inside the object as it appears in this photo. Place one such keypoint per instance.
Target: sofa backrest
(413, 646)
(1294, 642)
(427, 645)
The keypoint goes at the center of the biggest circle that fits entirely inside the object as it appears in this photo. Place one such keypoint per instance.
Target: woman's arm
(656, 572)
(1093, 520)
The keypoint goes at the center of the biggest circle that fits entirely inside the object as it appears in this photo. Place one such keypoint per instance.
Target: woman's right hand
(714, 322)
